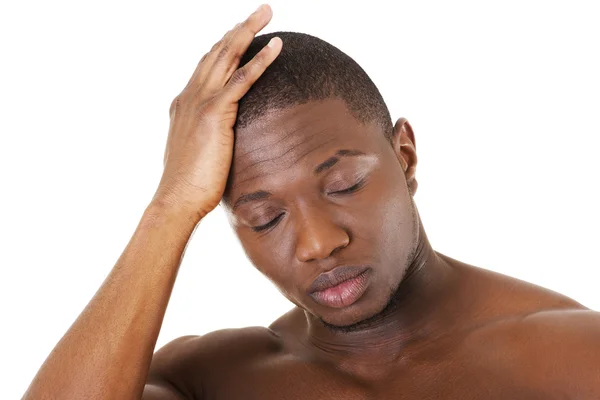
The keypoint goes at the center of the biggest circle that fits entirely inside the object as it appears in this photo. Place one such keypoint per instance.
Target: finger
(211, 56)
(243, 78)
(207, 59)
(229, 55)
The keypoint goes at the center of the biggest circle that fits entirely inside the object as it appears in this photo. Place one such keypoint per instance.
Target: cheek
(394, 218)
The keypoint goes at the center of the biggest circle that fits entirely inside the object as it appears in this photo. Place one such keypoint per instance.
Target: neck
(417, 312)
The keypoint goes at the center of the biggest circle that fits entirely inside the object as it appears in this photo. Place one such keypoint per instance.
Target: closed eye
(267, 225)
(351, 188)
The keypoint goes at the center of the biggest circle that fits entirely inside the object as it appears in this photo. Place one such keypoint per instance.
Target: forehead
(286, 144)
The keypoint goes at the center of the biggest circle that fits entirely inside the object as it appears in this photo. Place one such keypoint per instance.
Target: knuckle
(174, 105)
(239, 76)
(246, 24)
(244, 28)
(230, 33)
(225, 49)
(179, 102)
(215, 46)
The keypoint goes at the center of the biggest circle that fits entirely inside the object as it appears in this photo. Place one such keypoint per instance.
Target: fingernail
(259, 9)
(271, 42)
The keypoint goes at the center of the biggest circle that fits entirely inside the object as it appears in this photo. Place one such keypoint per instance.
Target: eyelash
(267, 225)
(351, 189)
(271, 223)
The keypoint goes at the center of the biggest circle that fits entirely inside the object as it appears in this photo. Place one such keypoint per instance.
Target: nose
(319, 236)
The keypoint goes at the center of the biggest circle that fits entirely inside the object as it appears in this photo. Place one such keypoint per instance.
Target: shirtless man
(318, 186)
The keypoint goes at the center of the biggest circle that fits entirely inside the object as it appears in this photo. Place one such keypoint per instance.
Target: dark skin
(454, 331)
(423, 325)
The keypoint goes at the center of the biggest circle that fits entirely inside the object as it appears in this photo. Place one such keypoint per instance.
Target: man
(318, 185)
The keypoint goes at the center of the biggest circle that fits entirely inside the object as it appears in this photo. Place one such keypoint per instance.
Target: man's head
(307, 69)
(326, 179)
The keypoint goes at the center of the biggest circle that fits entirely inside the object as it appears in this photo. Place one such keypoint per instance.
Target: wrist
(160, 209)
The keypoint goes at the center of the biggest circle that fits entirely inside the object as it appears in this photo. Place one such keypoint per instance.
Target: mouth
(340, 287)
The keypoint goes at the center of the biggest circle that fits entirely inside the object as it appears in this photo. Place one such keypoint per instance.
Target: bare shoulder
(556, 349)
(567, 342)
(510, 295)
(189, 363)
(536, 335)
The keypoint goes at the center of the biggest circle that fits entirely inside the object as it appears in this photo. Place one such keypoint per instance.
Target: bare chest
(461, 379)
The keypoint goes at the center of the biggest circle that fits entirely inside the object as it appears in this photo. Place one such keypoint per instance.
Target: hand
(199, 146)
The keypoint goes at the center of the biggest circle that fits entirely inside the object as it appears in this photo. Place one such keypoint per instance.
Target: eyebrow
(331, 161)
(325, 165)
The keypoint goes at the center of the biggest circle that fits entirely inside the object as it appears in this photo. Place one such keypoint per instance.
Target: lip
(340, 287)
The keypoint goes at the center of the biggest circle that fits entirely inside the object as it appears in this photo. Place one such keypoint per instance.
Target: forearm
(107, 351)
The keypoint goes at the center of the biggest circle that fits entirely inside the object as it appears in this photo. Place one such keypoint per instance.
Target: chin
(358, 316)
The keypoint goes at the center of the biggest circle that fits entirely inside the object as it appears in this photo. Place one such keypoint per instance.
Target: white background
(504, 99)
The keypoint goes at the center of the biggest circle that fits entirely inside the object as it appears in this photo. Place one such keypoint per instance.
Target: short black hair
(307, 69)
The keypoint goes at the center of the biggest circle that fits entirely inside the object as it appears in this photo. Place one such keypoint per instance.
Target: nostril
(338, 248)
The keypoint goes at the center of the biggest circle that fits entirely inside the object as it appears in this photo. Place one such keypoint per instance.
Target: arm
(106, 353)
(169, 370)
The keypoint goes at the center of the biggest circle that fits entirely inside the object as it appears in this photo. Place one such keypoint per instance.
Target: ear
(403, 143)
